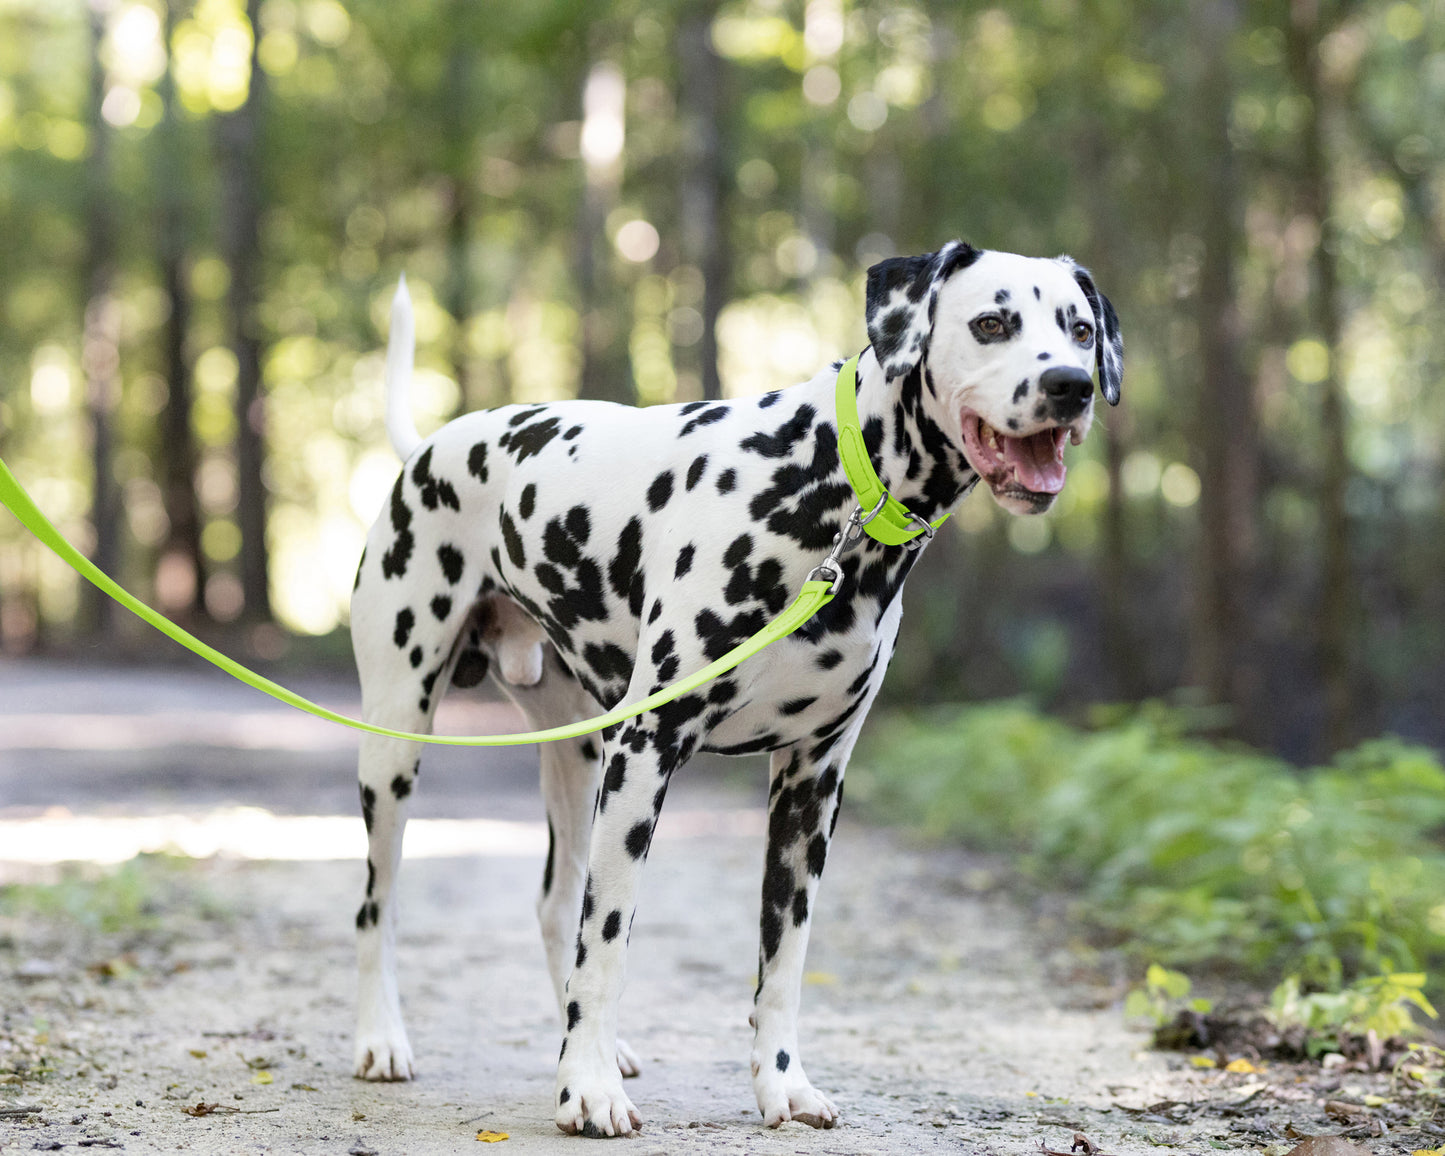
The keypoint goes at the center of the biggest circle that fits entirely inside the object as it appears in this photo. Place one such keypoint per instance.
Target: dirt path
(935, 1014)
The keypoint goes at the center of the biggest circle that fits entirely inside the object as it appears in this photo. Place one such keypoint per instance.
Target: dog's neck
(915, 459)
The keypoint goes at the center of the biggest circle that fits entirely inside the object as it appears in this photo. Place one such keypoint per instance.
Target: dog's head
(1008, 347)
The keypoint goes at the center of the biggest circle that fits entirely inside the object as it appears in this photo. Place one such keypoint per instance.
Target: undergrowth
(1186, 852)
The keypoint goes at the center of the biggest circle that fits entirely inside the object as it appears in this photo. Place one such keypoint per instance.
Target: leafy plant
(1164, 994)
(1189, 853)
(1377, 1003)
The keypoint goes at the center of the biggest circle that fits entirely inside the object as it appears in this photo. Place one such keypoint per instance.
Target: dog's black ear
(1108, 343)
(902, 295)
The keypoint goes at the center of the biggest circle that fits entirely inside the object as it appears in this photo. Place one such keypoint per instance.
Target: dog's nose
(1067, 385)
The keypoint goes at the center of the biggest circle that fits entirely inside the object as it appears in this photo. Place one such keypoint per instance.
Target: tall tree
(1225, 422)
(239, 139)
(1339, 597)
(100, 348)
(178, 443)
(704, 180)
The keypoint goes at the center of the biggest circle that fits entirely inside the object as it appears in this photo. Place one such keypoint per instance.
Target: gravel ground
(940, 1012)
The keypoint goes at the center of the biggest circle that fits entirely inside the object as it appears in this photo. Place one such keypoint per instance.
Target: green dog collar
(894, 524)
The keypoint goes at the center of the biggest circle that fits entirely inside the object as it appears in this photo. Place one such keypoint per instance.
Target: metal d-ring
(925, 532)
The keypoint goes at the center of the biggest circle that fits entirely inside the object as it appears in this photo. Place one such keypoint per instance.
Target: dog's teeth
(1074, 438)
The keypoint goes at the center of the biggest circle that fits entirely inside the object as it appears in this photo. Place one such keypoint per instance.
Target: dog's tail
(400, 355)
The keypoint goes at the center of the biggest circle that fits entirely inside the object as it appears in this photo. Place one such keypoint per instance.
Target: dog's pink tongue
(1036, 463)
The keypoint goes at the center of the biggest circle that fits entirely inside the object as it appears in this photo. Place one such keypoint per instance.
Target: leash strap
(814, 595)
(889, 522)
(894, 524)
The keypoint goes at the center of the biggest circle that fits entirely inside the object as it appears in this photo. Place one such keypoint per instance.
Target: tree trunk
(1225, 425)
(1339, 597)
(238, 136)
(459, 122)
(178, 444)
(100, 348)
(605, 373)
(703, 180)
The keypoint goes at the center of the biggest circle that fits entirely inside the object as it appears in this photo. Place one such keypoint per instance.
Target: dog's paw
(384, 1056)
(784, 1096)
(595, 1106)
(627, 1062)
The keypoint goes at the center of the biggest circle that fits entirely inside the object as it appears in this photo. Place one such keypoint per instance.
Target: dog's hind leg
(404, 659)
(805, 790)
(571, 771)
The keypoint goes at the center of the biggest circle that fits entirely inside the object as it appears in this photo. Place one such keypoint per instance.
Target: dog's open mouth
(1032, 464)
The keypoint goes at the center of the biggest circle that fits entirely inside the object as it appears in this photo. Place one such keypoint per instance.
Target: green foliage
(133, 897)
(1164, 994)
(1192, 853)
(1378, 1003)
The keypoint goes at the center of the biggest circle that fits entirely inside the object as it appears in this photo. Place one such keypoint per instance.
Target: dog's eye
(1083, 332)
(990, 326)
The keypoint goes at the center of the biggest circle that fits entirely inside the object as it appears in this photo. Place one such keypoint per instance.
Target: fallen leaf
(491, 1137)
(820, 978)
(262, 1077)
(302, 1088)
(1374, 1101)
(1240, 1065)
(1429, 1151)
(201, 1109)
(199, 1053)
(1203, 1061)
(1328, 1146)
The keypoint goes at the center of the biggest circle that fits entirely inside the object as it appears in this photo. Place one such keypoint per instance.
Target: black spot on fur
(684, 560)
(623, 572)
(405, 620)
(784, 439)
(613, 780)
(1021, 390)
(393, 562)
(477, 462)
(581, 953)
(513, 541)
(768, 400)
(611, 925)
(531, 440)
(588, 749)
(451, 561)
(717, 413)
(782, 1060)
(797, 705)
(695, 471)
(367, 916)
(572, 433)
(551, 854)
(401, 786)
(528, 501)
(574, 1013)
(660, 491)
(368, 807)
(579, 524)
(441, 606)
(829, 659)
(817, 854)
(415, 657)
(639, 838)
(727, 481)
(434, 491)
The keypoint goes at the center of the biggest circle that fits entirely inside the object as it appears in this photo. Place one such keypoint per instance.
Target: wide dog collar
(892, 523)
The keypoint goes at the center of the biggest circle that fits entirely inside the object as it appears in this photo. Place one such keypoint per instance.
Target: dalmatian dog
(588, 554)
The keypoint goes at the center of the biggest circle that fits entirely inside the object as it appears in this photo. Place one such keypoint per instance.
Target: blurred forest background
(205, 204)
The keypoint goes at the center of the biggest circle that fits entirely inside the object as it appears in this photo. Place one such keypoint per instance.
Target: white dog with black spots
(588, 554)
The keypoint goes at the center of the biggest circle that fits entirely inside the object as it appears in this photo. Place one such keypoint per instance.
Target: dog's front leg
(637, 761)
(805, 790)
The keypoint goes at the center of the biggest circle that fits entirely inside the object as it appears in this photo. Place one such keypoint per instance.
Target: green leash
(817, 592)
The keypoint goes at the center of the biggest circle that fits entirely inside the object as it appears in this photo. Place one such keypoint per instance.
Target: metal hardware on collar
(925, 533)
(891, 522)
(830, 569)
